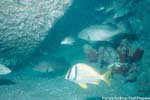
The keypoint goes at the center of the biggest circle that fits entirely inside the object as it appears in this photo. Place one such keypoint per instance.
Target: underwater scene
(74, 49)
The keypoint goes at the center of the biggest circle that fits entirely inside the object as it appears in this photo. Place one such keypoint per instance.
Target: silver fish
(99, 33)
(4, 70)
(68, 41)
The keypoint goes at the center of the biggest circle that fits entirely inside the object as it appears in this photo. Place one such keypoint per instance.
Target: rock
(24, 24)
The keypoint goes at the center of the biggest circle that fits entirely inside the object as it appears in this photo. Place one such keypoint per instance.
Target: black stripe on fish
(76, 73)
(68, 76)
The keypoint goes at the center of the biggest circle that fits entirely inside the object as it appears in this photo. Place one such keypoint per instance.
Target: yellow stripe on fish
(84, 74)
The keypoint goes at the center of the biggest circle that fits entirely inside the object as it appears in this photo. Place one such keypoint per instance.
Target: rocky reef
(24, 24)
(123, 60)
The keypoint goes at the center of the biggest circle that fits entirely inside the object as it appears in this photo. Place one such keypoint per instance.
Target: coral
(24, 24)
(129, 57)
(123, 50)
(122, 69)
(137, 55)
(129, 71)
(91, 54)
(107, 56)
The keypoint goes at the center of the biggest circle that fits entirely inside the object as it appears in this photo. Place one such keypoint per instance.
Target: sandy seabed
(25, 86)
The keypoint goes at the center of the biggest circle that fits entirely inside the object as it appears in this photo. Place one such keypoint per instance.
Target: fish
(51, 65)
(83, 74)
(100, 9)
(104, 9)
(4, 70)
(43, 67)
(68, 41)
(95, 33)
(109, 10)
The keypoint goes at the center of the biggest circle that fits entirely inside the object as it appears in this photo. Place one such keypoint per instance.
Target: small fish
(84, 74)
(100, 9)
(105, 10)
(109, 10)
(68, 41)
(4, 70)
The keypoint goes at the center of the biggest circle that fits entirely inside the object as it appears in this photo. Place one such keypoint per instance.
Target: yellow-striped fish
(84, 74)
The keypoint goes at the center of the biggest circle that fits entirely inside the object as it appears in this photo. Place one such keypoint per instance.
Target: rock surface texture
(24, 24)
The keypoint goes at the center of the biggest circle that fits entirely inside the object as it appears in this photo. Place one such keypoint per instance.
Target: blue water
(27, 84)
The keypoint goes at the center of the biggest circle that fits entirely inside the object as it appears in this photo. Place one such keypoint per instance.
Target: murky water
(111, 34)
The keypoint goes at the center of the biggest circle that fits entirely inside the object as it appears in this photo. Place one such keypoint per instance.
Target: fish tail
(106, 76)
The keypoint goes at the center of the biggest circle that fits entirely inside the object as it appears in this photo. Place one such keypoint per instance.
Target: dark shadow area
(80, 15)
(51, 74)
(117, 39)
(94, 98)
(6, 82)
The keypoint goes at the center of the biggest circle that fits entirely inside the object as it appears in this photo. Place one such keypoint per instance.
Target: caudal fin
(106, 76)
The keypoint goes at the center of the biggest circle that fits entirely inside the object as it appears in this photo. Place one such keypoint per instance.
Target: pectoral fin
(83, 85)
